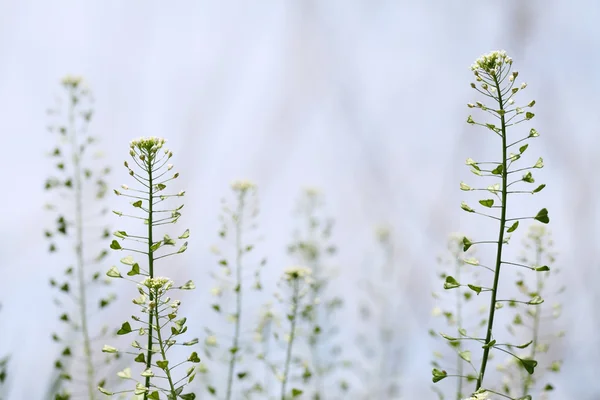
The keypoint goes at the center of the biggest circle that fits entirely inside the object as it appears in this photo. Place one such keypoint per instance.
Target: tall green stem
(238, 290)
(288, 356)
(150, 268)
(459, 360)
(87, 348)
(162, 347)
(490, 325)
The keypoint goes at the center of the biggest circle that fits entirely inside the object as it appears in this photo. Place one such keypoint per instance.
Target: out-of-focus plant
(312, 247)
(234, 281)
(380, 310)
(77, 186)
(458, 311)
(534, 323)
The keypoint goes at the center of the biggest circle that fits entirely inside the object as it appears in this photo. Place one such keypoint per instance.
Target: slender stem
(87, 348)
(162, 347)
(459, 361)
(150, 271)
(490, 325)
(238, 290)
(288, 357)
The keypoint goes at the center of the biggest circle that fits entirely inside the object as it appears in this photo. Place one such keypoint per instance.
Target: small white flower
(436, 312)
(169, 167)
(511, 101)
(125, 187)
(216, 291)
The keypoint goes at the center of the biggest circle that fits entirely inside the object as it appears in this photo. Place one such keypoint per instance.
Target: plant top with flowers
(496, 82)
(161, 328)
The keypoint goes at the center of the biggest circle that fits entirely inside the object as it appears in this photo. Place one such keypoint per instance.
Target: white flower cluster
(242, 185)
(159, 282)
(71, 80)
(491, 63)
(150, 144)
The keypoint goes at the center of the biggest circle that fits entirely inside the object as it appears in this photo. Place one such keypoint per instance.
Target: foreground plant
(233, 282)
(529, 324)
(497, 82)
(77, 185)
(160, 328)
(312, 247)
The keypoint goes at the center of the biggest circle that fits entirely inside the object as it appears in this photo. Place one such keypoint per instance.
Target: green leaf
(115, 245)
(120, 234)
(296, 392)
(539, 188)
(465, 187)
(498, 170)
(194, 357)
(189, 285)
(488, 345)
(155, 246)
(162, 364)
(533, 133)
(125, 329)
(185, 234)
(135, 270)
(154, 395)
(523, 346)
(125, 374)
(539, 163)
(104, 391)
(523, 148)
(183, 248)
(466, 207)
(528, 177)
(476, 289)
(188, 396)
(438, 375)
(535, 300)
(127, 260)
(487, 203)
(529, 115)
(466, 243)
(190, 343)
(137, 204)
(542, 216)
(447, 337)
(542, 268)
(513, 227)
(113, 272)
(471, 261)
(109, 349)
(465, 355)
(141, 358)
(451, 283)
(529, 365)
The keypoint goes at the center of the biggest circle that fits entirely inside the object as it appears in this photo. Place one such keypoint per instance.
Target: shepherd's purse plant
(77, 186)
(496, 82)
(160, 329)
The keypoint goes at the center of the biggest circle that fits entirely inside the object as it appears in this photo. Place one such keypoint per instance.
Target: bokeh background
(365, 100)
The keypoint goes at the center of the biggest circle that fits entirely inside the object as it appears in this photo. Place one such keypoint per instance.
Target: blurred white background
(363, 99)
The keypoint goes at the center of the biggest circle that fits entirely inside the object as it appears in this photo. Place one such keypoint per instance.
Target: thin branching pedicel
(495, 81)
(78, 185)
(532, 323)
(161, 328)
(312, 247)
(233, 282)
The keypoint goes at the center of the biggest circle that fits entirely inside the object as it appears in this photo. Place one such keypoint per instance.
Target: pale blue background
(363, 98)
